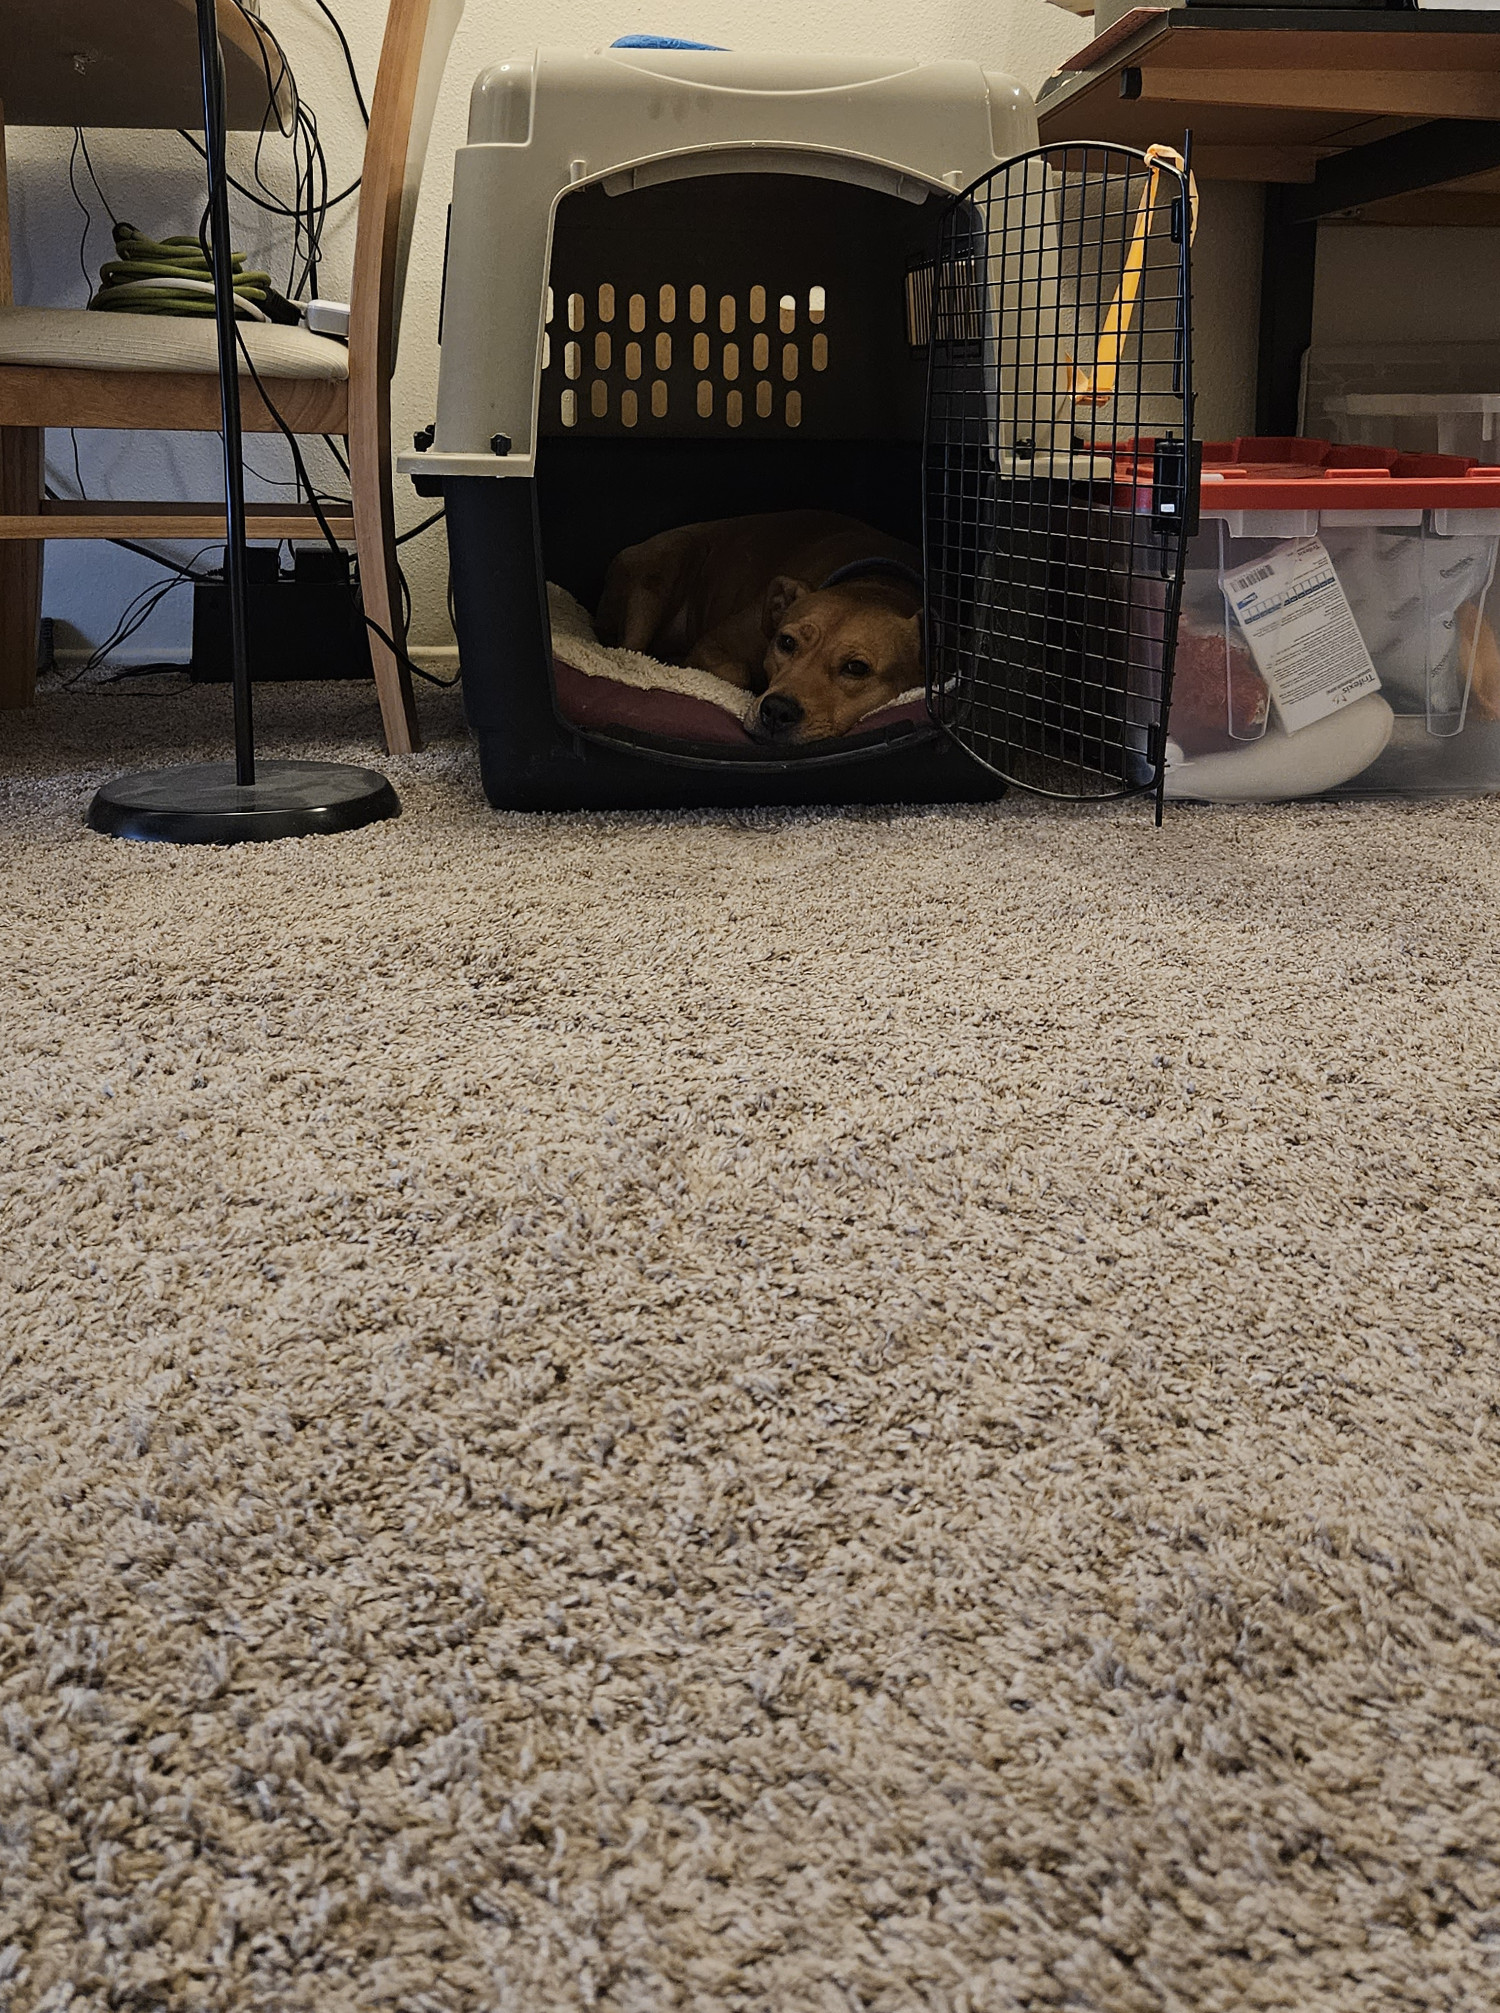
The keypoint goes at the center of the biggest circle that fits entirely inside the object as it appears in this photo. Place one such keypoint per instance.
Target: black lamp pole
(222, 803)
(211, 57)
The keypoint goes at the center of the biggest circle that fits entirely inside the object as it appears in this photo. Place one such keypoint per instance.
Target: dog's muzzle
(776, 718)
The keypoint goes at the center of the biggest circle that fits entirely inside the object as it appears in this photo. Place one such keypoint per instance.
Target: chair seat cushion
(75, 339)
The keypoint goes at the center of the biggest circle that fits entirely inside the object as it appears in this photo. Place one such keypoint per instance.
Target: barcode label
(1294, 614)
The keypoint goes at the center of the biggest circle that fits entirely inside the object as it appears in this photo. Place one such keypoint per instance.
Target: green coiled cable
(171, 276)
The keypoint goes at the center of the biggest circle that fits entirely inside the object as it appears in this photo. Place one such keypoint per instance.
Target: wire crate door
(1059, 477)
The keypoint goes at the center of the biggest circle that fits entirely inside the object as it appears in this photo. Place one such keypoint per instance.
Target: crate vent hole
(760, 308)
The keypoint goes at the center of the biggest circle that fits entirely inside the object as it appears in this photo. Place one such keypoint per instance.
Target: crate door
(1058, 476)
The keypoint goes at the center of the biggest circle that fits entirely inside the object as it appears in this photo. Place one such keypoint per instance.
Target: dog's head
(834, 654)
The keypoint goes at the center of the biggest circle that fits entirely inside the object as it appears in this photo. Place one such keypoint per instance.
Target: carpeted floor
(819, 1414)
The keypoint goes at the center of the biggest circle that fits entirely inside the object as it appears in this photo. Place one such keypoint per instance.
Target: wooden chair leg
(380, 585)
(21, 449)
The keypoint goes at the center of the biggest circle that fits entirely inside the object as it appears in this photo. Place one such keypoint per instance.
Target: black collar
(872, 569)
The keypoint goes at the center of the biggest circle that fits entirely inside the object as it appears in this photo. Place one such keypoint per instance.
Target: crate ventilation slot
(728, 359)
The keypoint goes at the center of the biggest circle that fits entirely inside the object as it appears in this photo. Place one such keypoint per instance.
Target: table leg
(21, 450)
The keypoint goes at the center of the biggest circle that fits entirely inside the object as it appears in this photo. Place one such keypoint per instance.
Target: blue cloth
(661, 42)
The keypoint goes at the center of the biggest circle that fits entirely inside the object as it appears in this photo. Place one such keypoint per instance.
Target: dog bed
(601, 689)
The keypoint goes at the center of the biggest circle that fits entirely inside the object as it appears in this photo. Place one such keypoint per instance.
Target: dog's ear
(917, 640)
(780, 595)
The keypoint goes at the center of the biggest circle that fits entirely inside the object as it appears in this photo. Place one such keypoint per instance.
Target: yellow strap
(1098, 387)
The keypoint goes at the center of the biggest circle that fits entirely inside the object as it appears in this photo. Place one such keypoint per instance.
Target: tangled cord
(180, 269)
(174, 276)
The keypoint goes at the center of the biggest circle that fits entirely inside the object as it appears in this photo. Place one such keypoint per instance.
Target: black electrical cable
(160, 559)
(405, 537)
(130, 545)
(338, 29)
(83, 242)
(88, 163)
(310, 165)
(136, 615)
(139, 609)
(265, 41)
(291, 439)
(273, 205)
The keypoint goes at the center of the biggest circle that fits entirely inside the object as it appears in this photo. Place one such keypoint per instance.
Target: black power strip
(302, 622)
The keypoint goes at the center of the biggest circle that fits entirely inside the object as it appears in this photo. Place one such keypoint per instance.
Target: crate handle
(1098, 387)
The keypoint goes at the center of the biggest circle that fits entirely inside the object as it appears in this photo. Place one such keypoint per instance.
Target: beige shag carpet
(798, 1413)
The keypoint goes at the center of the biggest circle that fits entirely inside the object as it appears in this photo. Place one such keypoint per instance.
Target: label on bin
(1301, 631)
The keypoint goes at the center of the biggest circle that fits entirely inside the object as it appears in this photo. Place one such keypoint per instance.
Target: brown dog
(818, 613)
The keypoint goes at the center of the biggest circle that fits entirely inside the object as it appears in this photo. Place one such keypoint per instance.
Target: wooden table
(1392, 117)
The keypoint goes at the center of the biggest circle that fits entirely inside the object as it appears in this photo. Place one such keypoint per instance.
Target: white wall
(1226, 307)
(154, 181)
(1384, 283)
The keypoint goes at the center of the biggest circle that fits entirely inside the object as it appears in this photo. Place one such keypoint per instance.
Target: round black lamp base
(202, 804)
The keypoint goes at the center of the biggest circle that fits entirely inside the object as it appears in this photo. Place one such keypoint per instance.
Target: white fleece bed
(575, 644)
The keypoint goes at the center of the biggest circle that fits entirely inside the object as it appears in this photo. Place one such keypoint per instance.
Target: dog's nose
(780, 712)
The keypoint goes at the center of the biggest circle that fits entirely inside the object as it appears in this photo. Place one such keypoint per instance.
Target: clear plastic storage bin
(1336, 632)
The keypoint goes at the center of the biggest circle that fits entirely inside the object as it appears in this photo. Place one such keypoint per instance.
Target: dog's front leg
(733, 652)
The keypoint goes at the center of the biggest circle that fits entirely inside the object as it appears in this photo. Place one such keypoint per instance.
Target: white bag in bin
(1406, 589)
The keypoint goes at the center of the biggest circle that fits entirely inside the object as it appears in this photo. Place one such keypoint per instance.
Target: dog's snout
(780, 712)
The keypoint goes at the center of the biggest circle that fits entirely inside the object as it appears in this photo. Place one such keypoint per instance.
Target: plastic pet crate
(678, 288)
(1336, 632)
(691, 285)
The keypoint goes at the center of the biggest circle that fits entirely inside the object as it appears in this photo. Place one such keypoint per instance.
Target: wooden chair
(69, 367)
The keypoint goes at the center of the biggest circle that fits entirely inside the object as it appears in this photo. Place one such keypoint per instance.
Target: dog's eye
(786, 643)
(856, 667)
